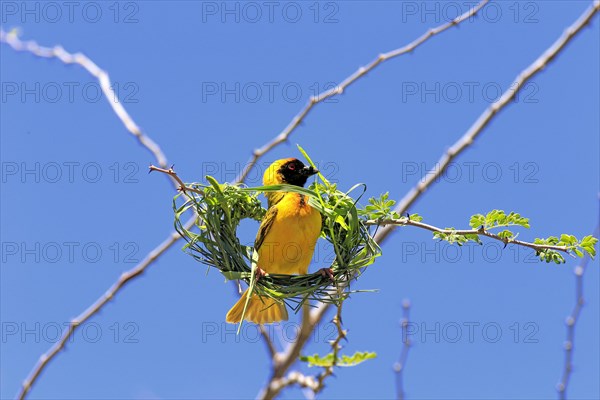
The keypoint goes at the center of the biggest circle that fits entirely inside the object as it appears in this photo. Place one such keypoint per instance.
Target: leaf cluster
(572, 245)
(497, 219)
(381, 209)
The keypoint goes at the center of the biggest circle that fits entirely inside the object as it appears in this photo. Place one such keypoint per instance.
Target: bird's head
(288, 170)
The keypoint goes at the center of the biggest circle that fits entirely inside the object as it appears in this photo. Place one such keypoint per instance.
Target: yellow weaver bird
(285, 241)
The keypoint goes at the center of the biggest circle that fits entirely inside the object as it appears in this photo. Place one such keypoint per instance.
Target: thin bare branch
(125, 278)
(405, 221)
(268, 342)
(58, 52)
(571, 322)
(488, 115)
(401, 363)
(285, 359)
(335, 346)
(339, 89)
(315, 384)
(171, 172)
(294, 378)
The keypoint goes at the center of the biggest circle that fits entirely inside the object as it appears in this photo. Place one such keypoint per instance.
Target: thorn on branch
(397, 367)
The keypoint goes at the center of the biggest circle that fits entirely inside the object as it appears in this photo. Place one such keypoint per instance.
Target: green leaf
(506, 234)
(340, 220)
(476, 221)
(568, 239)
(379, 208)
(344, 361)
(317, 361)
(415, 217)
(214, 183)
(234, 275)
(310, 161)
(357, 358)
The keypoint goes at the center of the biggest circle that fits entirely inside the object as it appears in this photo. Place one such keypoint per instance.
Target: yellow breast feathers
(288, 235)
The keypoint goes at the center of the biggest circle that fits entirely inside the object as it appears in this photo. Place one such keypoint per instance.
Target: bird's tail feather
(260, 310)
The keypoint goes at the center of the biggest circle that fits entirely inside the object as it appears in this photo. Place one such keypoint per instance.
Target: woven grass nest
(213, 238)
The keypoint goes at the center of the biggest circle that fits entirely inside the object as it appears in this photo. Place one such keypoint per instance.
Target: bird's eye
(292, 167)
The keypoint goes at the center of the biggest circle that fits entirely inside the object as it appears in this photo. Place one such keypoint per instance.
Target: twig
(489, 114)
(268, 342)
(400, 364)
(12, 39)
(171, 172)
(284, 360)
(315, 384)
(295, 378)
(339, 89)
(335, 346)
(571, 322)
(125, 278)
(405, 221)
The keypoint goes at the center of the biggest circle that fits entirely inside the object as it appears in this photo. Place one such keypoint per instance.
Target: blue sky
(212, 81)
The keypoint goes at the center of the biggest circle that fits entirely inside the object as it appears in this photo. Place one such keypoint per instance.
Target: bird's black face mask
(294, 172)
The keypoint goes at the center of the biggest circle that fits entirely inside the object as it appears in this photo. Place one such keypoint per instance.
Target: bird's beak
(309, 170)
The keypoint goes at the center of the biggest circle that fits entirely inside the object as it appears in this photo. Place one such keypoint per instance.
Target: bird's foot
(259, 273)
(327, 272)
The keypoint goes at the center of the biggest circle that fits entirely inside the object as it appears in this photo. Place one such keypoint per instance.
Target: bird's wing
(265, 227)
